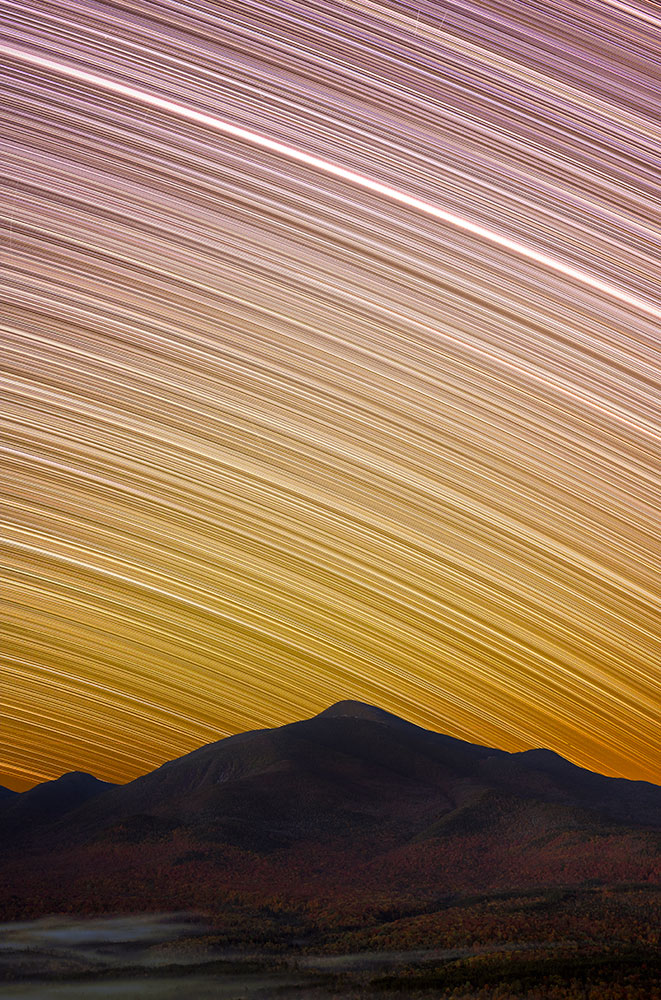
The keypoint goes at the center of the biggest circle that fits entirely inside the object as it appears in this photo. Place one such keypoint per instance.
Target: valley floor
(170, 956)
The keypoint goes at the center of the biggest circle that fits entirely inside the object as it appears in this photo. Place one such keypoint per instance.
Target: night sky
(331, 339)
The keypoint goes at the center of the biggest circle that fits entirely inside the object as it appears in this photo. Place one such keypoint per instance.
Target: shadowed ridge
(7, 796)
(51, 800)
(542, 755)
(554, 763)
(547, 776)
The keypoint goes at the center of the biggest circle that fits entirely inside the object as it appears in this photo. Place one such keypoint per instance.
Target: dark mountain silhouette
(25, 813)
(6, 794)
(353, 800)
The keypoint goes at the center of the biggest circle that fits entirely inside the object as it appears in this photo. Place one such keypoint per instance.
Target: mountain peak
(348, 706)
(349, 709)
(77, 777)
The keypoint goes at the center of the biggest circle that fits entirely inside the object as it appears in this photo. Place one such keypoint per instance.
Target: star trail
(331, 341)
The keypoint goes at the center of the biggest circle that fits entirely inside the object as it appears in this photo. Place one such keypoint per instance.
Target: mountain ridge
(85, 786)
(348, 708)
